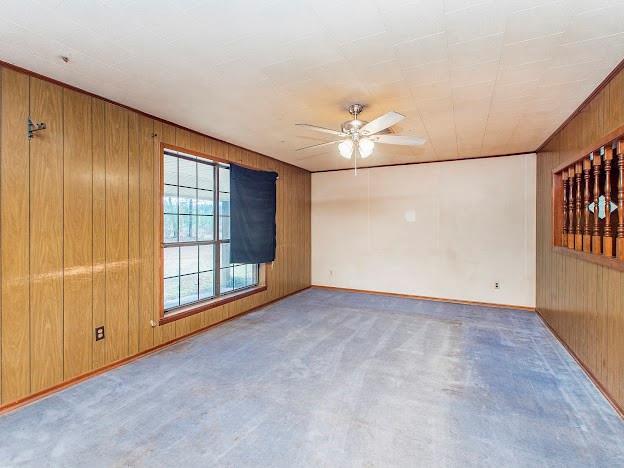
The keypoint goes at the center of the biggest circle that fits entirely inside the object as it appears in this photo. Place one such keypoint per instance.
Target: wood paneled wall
(583, 302)
(78, 223)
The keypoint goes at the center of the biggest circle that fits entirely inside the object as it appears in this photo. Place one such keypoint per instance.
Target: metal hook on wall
(31, 128)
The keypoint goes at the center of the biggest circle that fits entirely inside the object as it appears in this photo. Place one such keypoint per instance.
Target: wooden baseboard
(429, 298)
(618, 409)
(12, 406)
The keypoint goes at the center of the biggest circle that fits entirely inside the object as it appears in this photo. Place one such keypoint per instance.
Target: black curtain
(252, 215)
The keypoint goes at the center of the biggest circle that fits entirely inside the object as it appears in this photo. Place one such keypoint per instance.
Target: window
(196, 233)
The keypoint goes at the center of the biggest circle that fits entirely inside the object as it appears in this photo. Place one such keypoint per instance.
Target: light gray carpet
(334, 379)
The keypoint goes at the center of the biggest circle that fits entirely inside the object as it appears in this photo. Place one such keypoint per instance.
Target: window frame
(170, 315)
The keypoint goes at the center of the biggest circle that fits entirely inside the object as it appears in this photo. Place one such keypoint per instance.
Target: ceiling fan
(361, 135)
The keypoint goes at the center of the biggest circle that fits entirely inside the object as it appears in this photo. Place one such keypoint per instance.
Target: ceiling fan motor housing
(351, 127)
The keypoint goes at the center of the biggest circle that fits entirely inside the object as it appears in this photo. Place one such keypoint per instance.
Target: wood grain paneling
(15, 238)
(46, 236)
(582, 301)
(80, 226)
(116, 232)
(134, 234)
(77, 234)
(98, 150)
(146, 229)
(0, 242)
(166, 134)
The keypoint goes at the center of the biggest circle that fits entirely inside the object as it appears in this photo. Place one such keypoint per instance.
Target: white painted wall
(447, 230)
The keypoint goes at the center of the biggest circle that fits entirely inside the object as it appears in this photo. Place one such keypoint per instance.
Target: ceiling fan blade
(320, 145)
(381, 123)
(321, 129)
(398, 140)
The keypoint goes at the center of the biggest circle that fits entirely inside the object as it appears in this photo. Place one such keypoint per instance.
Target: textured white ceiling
(473, 77)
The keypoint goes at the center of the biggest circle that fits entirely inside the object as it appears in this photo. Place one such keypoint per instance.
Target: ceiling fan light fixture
(365, 147)
(346, 148)
(363, 135)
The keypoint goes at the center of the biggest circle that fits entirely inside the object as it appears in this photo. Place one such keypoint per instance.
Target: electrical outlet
(99, 333)
(497, 285)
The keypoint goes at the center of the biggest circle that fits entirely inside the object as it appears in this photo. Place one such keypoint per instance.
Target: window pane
(188, 289)
(172, 288)
(172, 261)
(226, 280)
(224, 179)
(224, 204)
(205, 228)
(251, 273)
(188, 173)
(205, 176)
(189, 257)
(206, 285)
(188, 228)
(170, 228)
(205, 202)
(225, 255)
(206, 257)
(224, 227)
(240, 277)
(187, 201)
(171, 170)
(170, 199)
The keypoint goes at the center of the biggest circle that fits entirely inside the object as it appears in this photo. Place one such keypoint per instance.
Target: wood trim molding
(429, 298)
(429, 162)
(608, 262)
(557, 209)
(619, 67)
(209, 157)
(211, 304)
(9, 407)
(138, 111)
(590, 375)
(595, 145)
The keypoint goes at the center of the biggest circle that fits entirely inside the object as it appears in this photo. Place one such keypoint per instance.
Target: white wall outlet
(497, 285)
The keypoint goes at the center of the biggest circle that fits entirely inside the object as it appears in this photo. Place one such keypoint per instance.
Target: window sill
(211, 304)
(608, 262)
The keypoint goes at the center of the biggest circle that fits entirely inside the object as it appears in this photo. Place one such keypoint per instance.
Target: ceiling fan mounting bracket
(355, 109)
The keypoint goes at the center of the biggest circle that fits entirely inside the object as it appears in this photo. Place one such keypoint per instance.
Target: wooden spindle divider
(571, 225)
(620, 202)
(578, 230)
(564, 224)
(587, 165)
(596, 235)
(608, 245)
(596, 175)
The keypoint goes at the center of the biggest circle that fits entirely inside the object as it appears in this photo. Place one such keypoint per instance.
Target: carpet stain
(329, 378)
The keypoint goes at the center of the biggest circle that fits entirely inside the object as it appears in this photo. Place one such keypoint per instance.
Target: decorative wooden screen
(588, 205)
